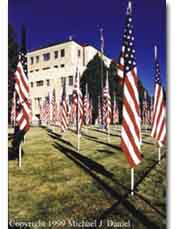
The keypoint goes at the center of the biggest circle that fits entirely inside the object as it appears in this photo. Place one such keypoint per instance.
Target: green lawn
(54, 182)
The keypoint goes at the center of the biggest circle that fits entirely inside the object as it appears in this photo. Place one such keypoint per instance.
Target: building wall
(46, 75)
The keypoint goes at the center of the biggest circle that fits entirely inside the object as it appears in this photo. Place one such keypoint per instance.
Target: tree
(92, 77)
(12, 62)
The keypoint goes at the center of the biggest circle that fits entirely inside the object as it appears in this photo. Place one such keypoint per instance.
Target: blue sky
(52, 21)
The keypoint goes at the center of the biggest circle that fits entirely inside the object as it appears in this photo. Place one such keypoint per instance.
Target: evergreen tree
(12, 62)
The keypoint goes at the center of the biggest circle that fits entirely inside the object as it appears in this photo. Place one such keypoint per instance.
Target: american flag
(13, 110)
(77, 101)
(99, 111)
(46, 108)
(107, 112)
(23, 110)
(145, 109)
(159, 111)
(120, 66)
(130, 129)
(86, 106)
(54, 107)
(115, 112)
(151, 107)
(64, 110)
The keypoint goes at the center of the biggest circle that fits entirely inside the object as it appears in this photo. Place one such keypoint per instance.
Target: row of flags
(80, 111)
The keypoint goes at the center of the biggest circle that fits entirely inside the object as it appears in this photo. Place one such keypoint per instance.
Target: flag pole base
(132, 181)
(159, 155)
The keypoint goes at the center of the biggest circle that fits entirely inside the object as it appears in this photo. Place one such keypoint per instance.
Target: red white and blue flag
(159, 111)
(23, 107)
(77, 102)
(86, 107)
(131, 120)
(107, 111)
(64, 110)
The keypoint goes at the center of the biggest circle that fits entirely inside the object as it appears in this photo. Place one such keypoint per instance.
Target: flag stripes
(64, 111)
(107, 112)
(130, 129)
(159, 111)
(77, 101)
(23, 113)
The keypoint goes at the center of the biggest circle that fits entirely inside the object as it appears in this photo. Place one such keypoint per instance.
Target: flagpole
(78, 116)
(132, 181)
(20, 156)
(102, 71)
(159, 154)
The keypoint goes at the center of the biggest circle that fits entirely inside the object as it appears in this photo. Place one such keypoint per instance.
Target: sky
(54, 21)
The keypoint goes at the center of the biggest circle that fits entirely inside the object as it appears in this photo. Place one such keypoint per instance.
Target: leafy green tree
(12, 62)
(92, 77)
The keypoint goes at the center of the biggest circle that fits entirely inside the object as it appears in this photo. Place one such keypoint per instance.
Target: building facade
(51, 67)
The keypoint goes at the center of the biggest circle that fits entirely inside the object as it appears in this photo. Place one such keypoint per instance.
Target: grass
(51, 186)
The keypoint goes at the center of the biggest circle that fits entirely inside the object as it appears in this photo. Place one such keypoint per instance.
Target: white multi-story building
(52, 66)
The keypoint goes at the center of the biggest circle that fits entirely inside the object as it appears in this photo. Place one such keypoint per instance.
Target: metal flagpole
(78, 115)
(159, 154)
(86, 92)
(132, 181)
(102, 70)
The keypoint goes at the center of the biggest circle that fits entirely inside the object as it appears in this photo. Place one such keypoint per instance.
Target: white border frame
(3, 114)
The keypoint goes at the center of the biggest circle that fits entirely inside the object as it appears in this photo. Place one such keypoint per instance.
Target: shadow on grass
(148, 143)
(58, 137)
(88, 165)
(139, 181)
(13, 154)
(105, 151)
(101, 142)
(104, 132)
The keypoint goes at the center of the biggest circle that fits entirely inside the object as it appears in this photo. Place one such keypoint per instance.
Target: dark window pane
(62, 53)
(46, 56)
(56, 54)
(40, 83)
(70, 80)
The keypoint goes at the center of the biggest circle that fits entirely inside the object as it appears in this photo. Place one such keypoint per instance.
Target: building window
(48, 82)
(56, 54)
(40, 83)
(79, 53)
(31, 84)
(31, 60)
(55, 66)
(46, 68)
(37, 59)
(31, 71)
(62, 65)
(36, 70)
(70, 78)
(62, 52)
(46, 56)
(63, 81)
